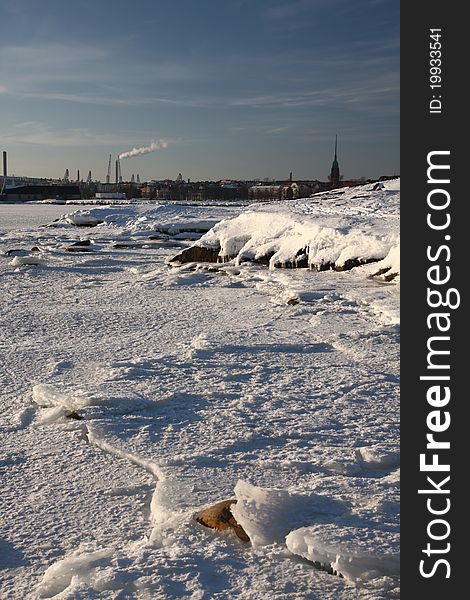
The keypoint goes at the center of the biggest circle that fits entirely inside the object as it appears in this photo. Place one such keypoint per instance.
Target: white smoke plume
(158, 145)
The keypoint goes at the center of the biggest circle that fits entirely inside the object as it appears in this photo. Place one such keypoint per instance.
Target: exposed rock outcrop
(390, 275)
(80, 246)
(219, 516)
(197, 254)
(17, 252)
(203, 254)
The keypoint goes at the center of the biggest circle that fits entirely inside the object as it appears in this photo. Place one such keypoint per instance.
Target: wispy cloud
(361, 95)
(100, 75)
(293, 8)
(82, 72)
(37, 132)
(116, 100)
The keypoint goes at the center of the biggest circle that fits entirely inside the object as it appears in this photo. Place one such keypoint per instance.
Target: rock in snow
(311, 232)
(220, 517)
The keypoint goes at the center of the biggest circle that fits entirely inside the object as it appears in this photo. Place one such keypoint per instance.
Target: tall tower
(4, 172)
(118, 171)
(334, 174)
(108, 174)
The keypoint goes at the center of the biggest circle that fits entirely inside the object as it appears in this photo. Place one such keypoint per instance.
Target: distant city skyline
(243, 89)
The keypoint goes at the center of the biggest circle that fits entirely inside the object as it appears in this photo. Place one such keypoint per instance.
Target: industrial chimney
(4, 164)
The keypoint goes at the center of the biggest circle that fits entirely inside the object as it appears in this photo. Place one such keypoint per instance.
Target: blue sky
(237, 88)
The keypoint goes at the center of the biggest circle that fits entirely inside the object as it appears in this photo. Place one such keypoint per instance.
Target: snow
(45, 395)
(194, 384)
(316, 226)
(70, 572)
(20, 261)
(358, 554)
(268, 515)
(140, 219)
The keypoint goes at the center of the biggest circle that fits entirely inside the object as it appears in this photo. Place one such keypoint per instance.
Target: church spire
(334, 174)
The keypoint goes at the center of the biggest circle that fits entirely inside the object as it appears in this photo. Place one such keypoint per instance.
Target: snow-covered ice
(135, 393)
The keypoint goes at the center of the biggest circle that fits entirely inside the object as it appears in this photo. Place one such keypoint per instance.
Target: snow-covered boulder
(83, 219)
(356, 227)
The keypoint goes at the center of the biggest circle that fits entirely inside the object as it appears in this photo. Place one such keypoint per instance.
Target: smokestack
(78, 174)
(117, 172)
(4, 164)
(290, 177)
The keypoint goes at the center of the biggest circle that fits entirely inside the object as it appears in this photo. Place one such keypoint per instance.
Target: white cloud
(360, 95)
(37, 132)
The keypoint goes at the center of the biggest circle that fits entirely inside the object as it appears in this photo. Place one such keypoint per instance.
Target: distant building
(265, 192)
(25, 193)
(197, 191)
(290, 190)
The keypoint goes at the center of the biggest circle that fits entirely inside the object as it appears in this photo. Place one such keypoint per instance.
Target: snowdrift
(167, 219)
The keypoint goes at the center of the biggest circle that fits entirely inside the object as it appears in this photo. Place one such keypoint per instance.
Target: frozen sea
(191, 384)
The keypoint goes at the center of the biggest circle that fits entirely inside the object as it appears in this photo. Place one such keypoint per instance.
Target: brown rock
(219, 516)
(380, 272)
(293, 301)
(82, 243)
(131, 245)
(355, 262)
(74, 415)
(197, 254)
(80, 246)
(390, 275)
(79, 249)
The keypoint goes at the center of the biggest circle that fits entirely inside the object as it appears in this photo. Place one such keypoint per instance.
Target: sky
(233, 89)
